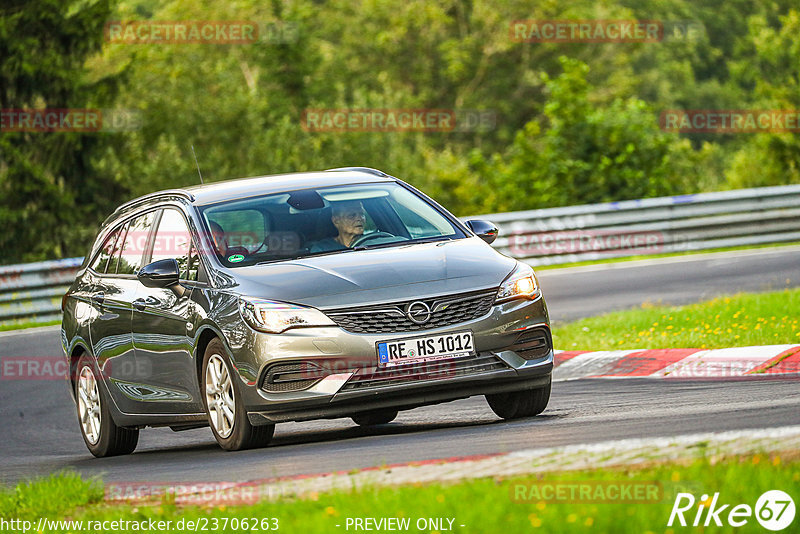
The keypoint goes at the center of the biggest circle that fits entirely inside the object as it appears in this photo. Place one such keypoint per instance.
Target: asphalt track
(40, 431)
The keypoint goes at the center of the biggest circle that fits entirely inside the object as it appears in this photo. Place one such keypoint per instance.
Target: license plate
(421, 349)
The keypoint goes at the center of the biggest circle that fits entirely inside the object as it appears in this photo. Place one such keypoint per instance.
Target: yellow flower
(330, 510)
(535, 521)
(571, 518)
(676, 477)
(589, 521)
(541, 505)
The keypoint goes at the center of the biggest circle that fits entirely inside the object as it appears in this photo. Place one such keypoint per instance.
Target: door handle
(98, 298)
(141, 304)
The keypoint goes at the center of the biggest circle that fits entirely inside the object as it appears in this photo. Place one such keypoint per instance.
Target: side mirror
(484, 229)
(160, 274)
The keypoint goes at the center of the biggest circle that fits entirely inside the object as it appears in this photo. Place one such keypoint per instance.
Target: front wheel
(100, 433)
(516, 404)
(224, 406)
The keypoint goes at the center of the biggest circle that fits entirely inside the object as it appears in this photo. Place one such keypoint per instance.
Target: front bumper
(531, 375)
(352, 382)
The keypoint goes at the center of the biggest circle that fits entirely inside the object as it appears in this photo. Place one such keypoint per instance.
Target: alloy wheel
(220, 398)
(89, 405)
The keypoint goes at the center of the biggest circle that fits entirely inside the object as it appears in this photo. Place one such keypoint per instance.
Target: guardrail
(684, 223)
(32, 292)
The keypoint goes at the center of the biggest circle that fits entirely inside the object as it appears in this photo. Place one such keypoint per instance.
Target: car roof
(263, 185)
(201, 195)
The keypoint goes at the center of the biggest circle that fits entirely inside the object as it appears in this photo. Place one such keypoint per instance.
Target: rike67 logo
(774, 510)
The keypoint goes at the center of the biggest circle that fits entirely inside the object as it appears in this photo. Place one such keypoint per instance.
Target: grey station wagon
(341, 293)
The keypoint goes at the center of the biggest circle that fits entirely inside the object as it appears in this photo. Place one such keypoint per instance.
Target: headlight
(520, 284)
(276, 317)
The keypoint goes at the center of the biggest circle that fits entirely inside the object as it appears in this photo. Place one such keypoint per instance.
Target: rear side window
(106, 252)
(134, 244)
(174, 240)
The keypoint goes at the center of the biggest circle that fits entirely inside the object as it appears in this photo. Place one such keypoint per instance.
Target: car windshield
(320, 221)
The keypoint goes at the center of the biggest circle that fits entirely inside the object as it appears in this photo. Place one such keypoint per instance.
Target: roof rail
(369, 170)
(174, 192)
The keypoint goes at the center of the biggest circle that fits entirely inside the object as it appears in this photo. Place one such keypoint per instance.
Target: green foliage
(49, 191)
(575, 122)
(588, 154)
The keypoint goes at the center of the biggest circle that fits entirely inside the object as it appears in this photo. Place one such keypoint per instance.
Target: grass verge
(519, 504)
(741, 320)
(22, 326)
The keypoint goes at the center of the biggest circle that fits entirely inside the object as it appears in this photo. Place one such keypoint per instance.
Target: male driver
(349, 219)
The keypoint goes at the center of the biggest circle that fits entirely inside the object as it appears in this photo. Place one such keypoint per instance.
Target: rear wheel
(102, 436)
(224, 406)
(516, 404)
(374, 417)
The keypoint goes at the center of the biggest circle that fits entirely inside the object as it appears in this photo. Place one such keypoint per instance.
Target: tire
(374, 417)
(102, 436)
(226, 415)
(516, 404)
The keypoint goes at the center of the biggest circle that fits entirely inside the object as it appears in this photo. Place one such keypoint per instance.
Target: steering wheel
(366, 237)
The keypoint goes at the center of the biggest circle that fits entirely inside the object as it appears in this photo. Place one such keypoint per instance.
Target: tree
(586, 154)
(50, 196)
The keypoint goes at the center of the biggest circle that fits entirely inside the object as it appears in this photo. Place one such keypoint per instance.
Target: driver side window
(174, 240)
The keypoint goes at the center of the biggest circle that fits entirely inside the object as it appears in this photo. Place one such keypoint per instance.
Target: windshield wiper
(404, 243)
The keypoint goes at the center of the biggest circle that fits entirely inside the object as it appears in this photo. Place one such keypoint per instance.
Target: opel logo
(418, 312)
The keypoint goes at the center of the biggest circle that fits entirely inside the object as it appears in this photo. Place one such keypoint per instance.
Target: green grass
(740, 320)
(49, 496)
(665, 255)
(32, 324)
(481, 505)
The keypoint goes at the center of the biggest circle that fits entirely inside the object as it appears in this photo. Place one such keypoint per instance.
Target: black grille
(445, 311)
(291, 377)
(532, 344)
(424, 371)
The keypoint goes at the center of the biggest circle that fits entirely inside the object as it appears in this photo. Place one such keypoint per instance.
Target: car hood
(366, 277)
